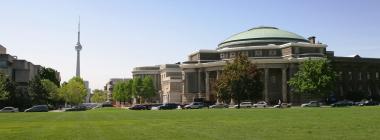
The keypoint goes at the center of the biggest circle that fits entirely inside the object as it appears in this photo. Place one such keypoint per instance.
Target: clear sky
(118, 35)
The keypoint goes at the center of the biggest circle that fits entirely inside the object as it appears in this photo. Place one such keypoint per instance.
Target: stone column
(217, 77)
(199, 83)
(185, 83)
(217, 74)
(284, 86)
(207, 82)
(266, 83)
(292, 71)
(184, 87)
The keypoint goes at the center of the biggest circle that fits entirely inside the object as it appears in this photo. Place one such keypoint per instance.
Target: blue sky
(118, 35)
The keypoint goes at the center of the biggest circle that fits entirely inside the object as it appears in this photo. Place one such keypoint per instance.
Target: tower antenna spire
(78, 48)
(79, 30)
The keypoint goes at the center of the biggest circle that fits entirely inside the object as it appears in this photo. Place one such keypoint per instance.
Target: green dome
(261, 36)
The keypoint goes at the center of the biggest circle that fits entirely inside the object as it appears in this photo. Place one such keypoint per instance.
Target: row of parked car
(194, 105)
(36, 108)
(199, 105)
(46, 108)
(342, 103)
(260, 104)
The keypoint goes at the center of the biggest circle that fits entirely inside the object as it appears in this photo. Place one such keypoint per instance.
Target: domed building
(277, 53)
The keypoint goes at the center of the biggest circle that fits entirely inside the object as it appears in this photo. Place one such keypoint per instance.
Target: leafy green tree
(315, 78)
(148, 88)
(7, 90)
(129, 85)
(74, 91)
(240, 80)
(4, 93)
(37, 91)
(99, 96)
(53, 96)
(222, 89)
(137, 88)
(122, 91)
(50, 74)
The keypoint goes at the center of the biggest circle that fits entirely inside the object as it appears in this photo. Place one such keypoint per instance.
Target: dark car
(107, 104)
(168, 106)
(138, 107)
(77, 108)
(342, 103)
(38, 108)
(369, 103)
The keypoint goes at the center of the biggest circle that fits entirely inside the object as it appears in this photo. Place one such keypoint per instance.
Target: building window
(349, 75)
(3, 64)
(251, 53)
(258, 53)
(368, 76)
(273, 79)
(272, 52)
(232, 54)
(377, 75)
(244, 53)
(341, 75)
(359, 76)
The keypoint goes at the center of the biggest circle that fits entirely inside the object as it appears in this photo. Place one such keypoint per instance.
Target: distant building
(154, 73)
(88, 96)
(20, 71)
(171, 83)
(277, 54)
(109, 86)
(167, 79)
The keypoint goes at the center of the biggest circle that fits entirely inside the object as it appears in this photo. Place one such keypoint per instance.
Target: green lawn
(230, 124)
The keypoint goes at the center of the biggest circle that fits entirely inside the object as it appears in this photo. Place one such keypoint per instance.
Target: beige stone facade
(277, 54)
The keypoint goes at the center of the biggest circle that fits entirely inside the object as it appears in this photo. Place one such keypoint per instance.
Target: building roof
(262, 35)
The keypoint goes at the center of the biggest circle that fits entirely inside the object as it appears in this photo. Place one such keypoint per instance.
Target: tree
(240, 80)
(99, 96)
(52, 90)
(137, 88)
(50, 74)
(7, 90)
(222, 89)
(37, 91)
(120, 91)
(74, 91)
(148, 88)
(129, 90)
(315, 78)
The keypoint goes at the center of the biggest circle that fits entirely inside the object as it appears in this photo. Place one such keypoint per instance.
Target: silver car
(244, 105)
(220, 105)
(262, 104)
(9, 109)
(312, 104)
(194, 105)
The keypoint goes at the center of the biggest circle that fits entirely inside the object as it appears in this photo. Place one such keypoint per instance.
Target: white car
(260, 104)
(311, 104)
(9, 109)
(283, 105)
(244, 105)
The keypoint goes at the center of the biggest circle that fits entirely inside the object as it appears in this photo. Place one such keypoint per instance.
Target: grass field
(230, 124)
